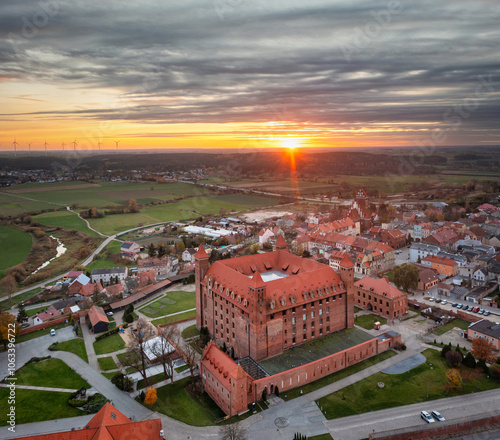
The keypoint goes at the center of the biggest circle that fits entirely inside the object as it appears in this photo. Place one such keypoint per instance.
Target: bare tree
(136, 350)
(191, 356)
(234, 431)
(162, 348)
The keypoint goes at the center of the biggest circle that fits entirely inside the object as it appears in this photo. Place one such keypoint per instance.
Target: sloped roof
(380, 286)
(201, 254)
(96, 315)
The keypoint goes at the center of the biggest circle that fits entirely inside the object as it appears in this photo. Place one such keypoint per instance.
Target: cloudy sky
(249, 73)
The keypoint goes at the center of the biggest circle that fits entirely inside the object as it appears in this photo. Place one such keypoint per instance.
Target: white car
(432, 299)
(444, 302)
(426, 416)
(52, 332)
(109, 313)
(437, 415)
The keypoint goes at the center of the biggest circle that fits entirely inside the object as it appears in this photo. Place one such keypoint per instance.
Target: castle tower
(347, 276)
(201, 265)
(280, 244)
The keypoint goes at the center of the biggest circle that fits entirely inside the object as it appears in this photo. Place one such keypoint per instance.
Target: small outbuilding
(98, 320)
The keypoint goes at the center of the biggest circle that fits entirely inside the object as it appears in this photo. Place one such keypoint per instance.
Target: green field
(66, 220)
(105, 259)
(421, 384)
(190, 332)
(109, 344)
(37, 406)
(15, 245)
(50, 373)
(106, 363)
(172, 302)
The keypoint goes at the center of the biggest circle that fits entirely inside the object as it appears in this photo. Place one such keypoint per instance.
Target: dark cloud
(327, 63)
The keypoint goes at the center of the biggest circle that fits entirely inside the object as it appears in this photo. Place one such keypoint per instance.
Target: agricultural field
(106, 259)
(172, 302)
(15, 245)
(66, 220)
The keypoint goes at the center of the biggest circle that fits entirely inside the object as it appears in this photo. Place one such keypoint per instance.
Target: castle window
(304, 317)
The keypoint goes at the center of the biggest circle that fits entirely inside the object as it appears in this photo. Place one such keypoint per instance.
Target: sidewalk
(32, 387)
(89, 346)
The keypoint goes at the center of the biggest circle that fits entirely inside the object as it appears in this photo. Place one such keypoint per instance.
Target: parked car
(52, 332)
(432, 299)
(486, 313)
(25, 325)
(444, 302)
(426, 416)
(475, 309)
(437, 415)
(454, 305)
(481, 311)
(470, 308)
(459, 306)
(109, 313)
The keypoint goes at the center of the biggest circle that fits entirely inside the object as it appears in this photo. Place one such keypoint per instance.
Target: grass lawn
(33, 312)
(366, 321)
(109, 375)
(321, 437)
(182, 368)
(339, 375)
(421, 384)
(18, 244)
(460, 323)
(151, 380)
(39, 333)
(50, 373)
(105, 259)
(190, 332)
(172, 302)
(66, 220)
(174, 318)
(357, 309)
(6, 304)
(37, 406)
(174, 401)
(109, 344)
(76, 346)
(107, 363)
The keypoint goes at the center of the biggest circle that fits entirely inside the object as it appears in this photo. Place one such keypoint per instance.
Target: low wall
(443, 430)
(455, 313)
(52, 322)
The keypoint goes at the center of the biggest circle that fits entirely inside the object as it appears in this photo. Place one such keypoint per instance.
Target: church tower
(347, 276)
(201, 265)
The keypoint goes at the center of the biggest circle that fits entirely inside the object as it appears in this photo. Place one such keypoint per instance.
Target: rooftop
(316, 349)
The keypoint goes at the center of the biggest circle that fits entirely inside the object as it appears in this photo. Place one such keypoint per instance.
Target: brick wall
(52, 322)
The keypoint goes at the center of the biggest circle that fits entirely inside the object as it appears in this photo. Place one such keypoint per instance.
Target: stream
(61, 250)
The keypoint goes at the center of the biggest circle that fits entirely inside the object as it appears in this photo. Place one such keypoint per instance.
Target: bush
(142, 396)
(495, 371)
(128, 318)
(445, 350)
(122, 382)
(109, 333)
(469, 361)
(453, 358)
(482, 365)
(38, 359)
(53, 346)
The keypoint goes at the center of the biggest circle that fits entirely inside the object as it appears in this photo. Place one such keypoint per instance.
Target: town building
(109, 275)
(188, 255)
(421, 250)
(99, 322)
(359, 211)
(443, 266)
(380, 297)
(427, 279)
(485, 329)
(161, 266)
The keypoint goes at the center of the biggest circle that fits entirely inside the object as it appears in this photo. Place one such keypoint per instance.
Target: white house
(265, 235)
(107, 275)
(421, 250)
(480, 277)
(188, 255)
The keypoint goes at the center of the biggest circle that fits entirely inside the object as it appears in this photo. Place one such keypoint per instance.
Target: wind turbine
(45, 145)
(74, 144)
(29, 147)
(63, 144)
(99, 146)
(116, 144)
(15, 147)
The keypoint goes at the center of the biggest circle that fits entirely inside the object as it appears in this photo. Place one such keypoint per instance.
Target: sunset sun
(290, 144)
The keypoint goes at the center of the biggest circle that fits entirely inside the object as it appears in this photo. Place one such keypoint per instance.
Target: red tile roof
(108, 424)
(440, 260)
(346, 262)
(380, 286)
(221, 365)
(201, 254)
(96, 315)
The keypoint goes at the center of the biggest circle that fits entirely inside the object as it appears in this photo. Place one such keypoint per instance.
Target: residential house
(444, 238)
(146, 277)
(188, 255)
(130, 250)
(47, 315)
(444, 289)
(427, 279)
(487, 330)
(114, 290)
(79, 282)
(441, 265)
(480, 276)
(72, 275)
(459, 293)
(91, 289)
(381, 297)
(109, 275)
(98, 320)
(161, 266)
(421, 250)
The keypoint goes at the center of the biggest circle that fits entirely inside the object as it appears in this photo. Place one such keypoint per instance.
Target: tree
(22, 316)
(162, 349)
(406, 277)
(233, 431)
(445, 350)
(453, 358)
(454, 378)
(152, 250)
(495, 371)
(469, 361)
(181, 247)
(161, 250)
(482, 349)
(151, 396)
(136, 350)
(9, 328)
(132, 206)
(191, 356)
(8, 284)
